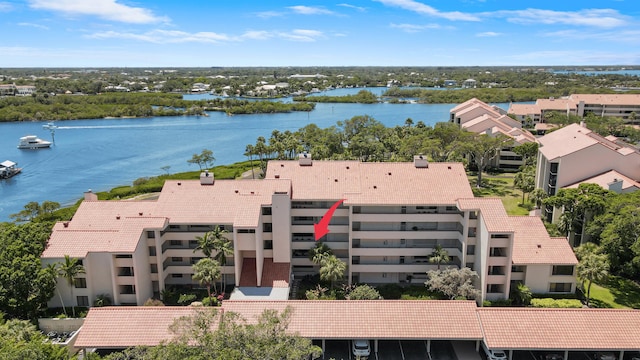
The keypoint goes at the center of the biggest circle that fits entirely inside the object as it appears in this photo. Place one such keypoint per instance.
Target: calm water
(104, 153)
(602, 72)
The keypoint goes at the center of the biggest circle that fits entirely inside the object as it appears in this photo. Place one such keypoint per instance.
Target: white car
(605, 356)
(360, 348)
(494, 354)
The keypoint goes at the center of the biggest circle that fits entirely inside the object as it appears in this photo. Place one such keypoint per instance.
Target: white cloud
(488, 34)
(626, 36)
(359, 8)
(604, 18)
(414, 28)
(105, 9)
(310, 10)
(302, 35)
(33, 25)
(164, 36)
(5, 6)
(424, 9)
(268, 14)
(159, 36)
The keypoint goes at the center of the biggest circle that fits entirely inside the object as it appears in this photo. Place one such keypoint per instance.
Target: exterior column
(323, 347)
(621, 355)
(566, 355)
(510, 354)
(429, 345)
(375, 345)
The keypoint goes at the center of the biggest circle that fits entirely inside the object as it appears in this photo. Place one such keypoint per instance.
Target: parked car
(605, 356)
(553, 356)
(360, 348)
(494, 354)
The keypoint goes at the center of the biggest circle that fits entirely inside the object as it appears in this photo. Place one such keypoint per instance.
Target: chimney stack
(305, 159)
(206, 178)
(90, 196)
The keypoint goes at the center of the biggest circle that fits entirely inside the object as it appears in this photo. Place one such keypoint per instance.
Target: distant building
(450, 83)
(574, 154)
(613, 105)
(476, 116)
(469, 83)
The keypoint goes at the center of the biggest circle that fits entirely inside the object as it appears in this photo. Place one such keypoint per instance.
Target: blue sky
(163, 33)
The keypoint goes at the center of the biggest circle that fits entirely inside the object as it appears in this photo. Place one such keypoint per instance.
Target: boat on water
(50, 126)
(8, 169)
(33, 142)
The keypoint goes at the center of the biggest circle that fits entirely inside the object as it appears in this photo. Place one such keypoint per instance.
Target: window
(176, 275)
(499, 236)
(355, 260)
(154, 268)
(494, 288)
(124, 256)
(79, 262)
(498, 252)
(560, 287)
(175, 242)
(151, 234)
(246, 231)
(472, 232)
(127, 289)
(268, 244)
(82, 300)
(266, 211)
(384, 275)
(125, 271)
(496, 270)
(152, 251)
(562, 270)
(176, 259)
(401, 259)
(195, 260)
(471, 249)
(267, 227)
(80, 283)
(518, 268)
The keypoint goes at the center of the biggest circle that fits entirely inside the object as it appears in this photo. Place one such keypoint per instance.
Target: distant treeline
(491, 95)
(362, 97)
(70, 107)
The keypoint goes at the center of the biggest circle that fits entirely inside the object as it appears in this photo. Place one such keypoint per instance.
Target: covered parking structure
(374, 320)
(561, 331)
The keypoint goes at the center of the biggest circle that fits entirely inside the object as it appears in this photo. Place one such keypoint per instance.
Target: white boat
(8, 169)
(50, 126)
(33, 142)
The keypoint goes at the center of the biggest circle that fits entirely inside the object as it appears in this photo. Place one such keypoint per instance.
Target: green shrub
(556, 303)
(497, 303)
(390, 291)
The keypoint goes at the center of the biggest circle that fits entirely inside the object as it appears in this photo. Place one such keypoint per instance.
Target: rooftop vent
(206, 178)
(277, 176)
(335, 180)
(615, 185)
(90, 196)
(65, 224)
(117, 217)
(237, 191)
(389, 174)
(305, 159)
(179, 183)
(420, 161)
(140, 213)
(375, 186)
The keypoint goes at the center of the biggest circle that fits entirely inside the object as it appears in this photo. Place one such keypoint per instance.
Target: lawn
(501, 185)
(619, 293)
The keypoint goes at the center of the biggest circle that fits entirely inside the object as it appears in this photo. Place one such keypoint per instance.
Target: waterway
(100, 154)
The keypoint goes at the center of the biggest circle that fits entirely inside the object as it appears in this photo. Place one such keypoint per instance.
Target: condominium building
(624, 106)
(391, 218)
(574, 154)
(478, 117)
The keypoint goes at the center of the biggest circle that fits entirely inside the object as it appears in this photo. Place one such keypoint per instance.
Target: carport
(419, 323)
(575, 334)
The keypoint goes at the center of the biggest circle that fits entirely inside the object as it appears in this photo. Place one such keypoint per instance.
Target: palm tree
(205, 243)
(207, 271)
(593, 267)
(521, 294)
(223, 248)
(248, 151)
(439, 256)
(69, 270)
(537, 196)
(319, 253)
(332, 269)
(53, 270)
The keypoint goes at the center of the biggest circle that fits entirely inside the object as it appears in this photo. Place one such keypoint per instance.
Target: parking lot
(391, 350)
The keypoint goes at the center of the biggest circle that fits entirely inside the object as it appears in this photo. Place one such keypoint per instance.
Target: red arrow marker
(322, 227)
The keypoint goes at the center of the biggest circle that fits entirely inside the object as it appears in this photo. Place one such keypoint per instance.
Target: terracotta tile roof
(492, 213)
(224, 202)
(561, 329)
(574, 137)
(607, 99)
(464, 105)
(379, 319)
(608, 177)
(565, 141)
(556, 104)
(523, 109)
(126, 326)
(102, 226)
(374, 183)
(532, 244)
